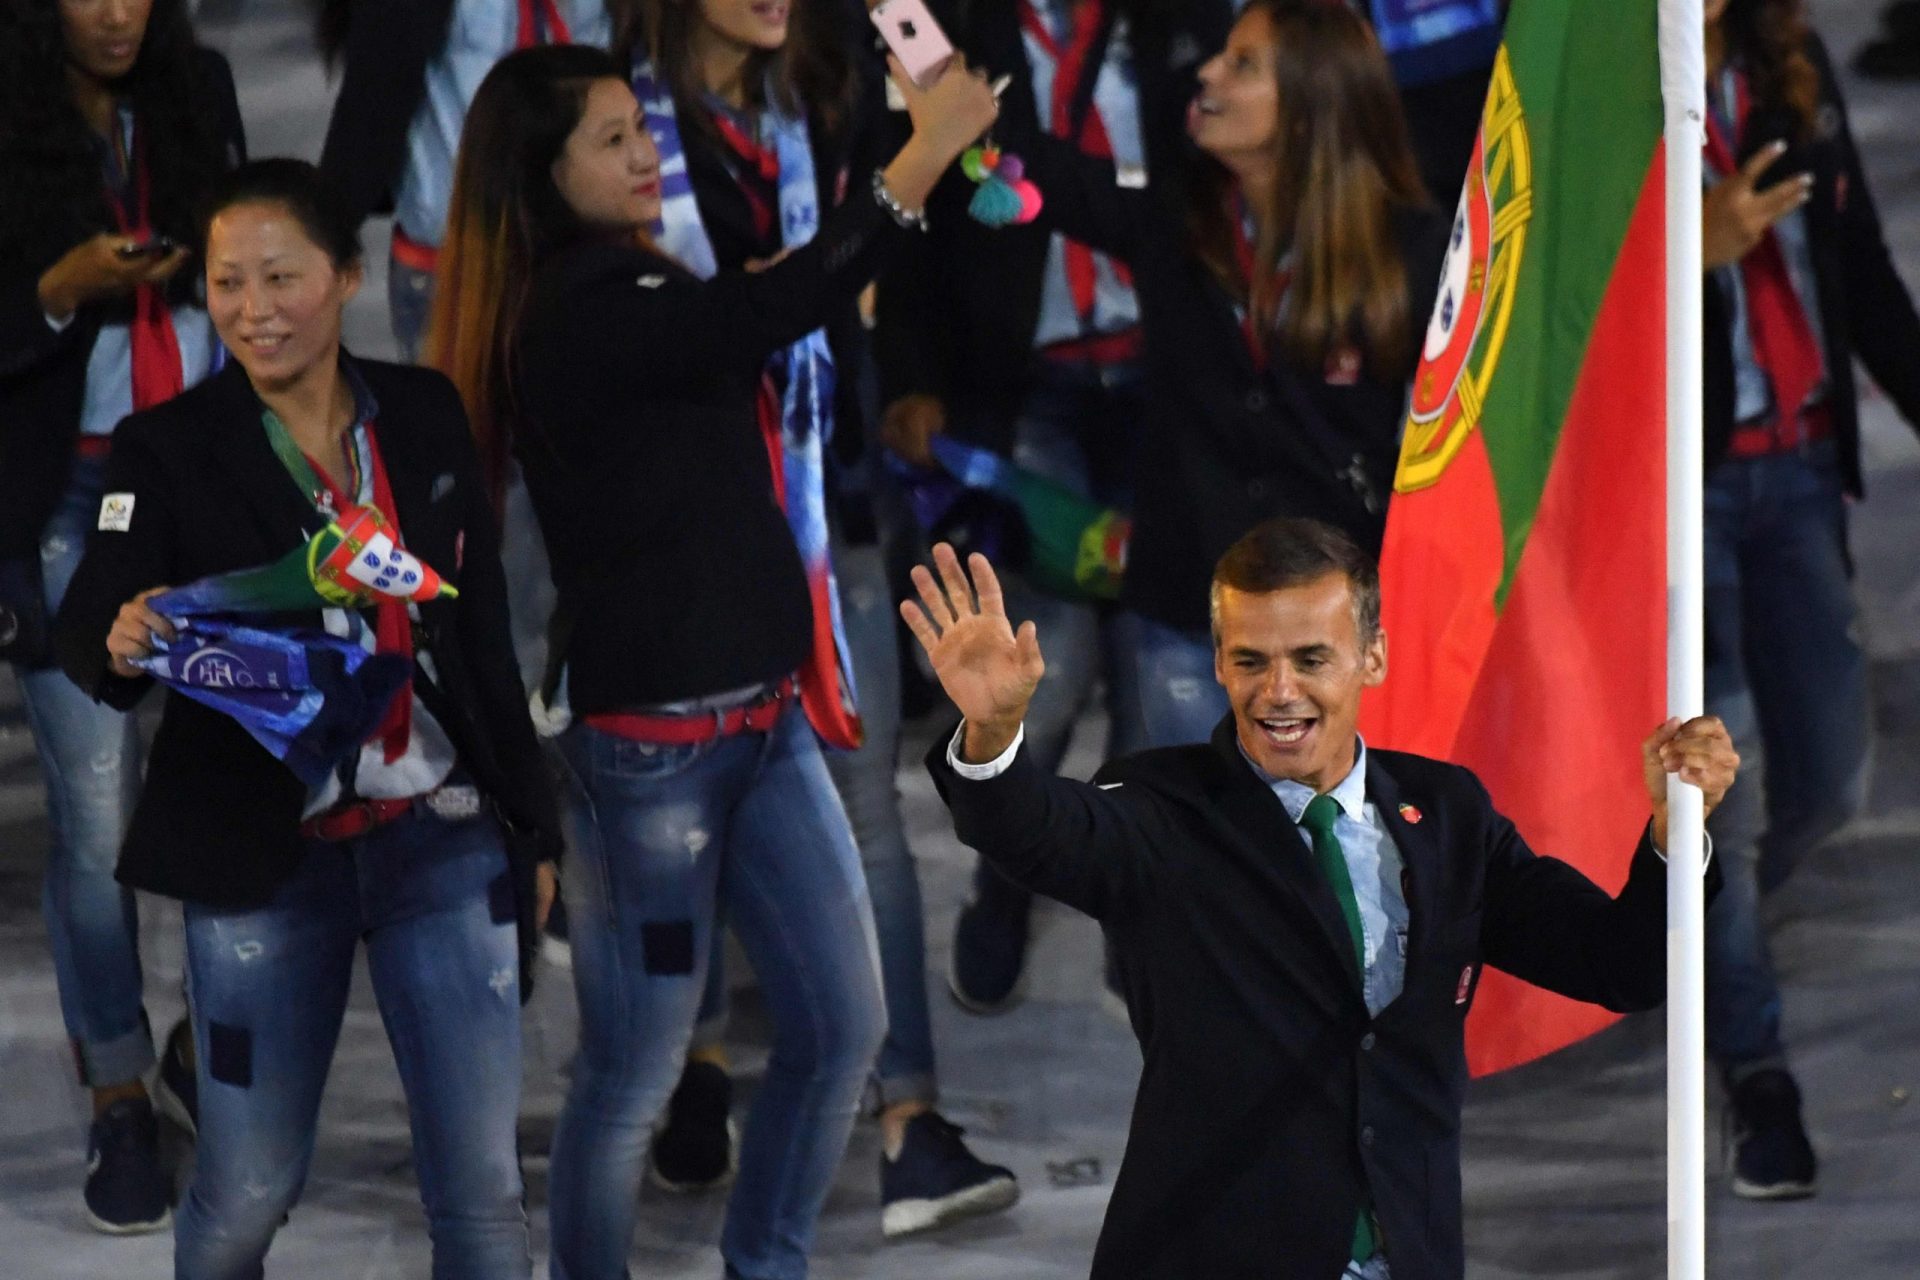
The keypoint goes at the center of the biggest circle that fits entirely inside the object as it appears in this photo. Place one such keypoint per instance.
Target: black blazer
(636, 390)
(218, 819)
(1271, 1103)
(1227, 446)
(955, 317)
(1865, 310)
(43, 374)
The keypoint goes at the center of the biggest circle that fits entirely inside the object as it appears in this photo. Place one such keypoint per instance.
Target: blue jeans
(434, 902)
(90, 759)
(868, 783)
(409, 307)
(1785, 670)
(1080, 427)
(663, 837)
(1180, 698)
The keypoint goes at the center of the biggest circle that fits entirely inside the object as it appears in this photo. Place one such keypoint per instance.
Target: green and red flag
(1524, 568)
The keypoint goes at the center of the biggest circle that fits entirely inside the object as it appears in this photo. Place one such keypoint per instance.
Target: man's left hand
(1700, 752)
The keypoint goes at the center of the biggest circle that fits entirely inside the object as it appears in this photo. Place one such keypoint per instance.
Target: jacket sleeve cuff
(992, 768)
(1661, 854)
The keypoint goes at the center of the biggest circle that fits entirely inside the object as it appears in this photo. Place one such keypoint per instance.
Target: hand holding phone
(152, 247)
(916, 39)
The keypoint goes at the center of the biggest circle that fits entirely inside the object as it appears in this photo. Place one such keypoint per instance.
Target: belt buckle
(455, 803)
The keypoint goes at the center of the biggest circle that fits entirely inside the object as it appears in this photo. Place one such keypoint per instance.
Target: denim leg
(649, 827)
(799, 905)
(867, 782)
(1180, 700)
(716, 1002)
(1742, 993)
(90, 759)
(1804, 660)
(443, 953)
(409, 305)
(269, 991)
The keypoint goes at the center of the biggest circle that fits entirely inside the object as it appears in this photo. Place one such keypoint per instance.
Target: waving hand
(989, 670)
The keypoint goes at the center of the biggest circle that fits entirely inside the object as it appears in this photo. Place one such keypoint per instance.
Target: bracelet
(913, 219)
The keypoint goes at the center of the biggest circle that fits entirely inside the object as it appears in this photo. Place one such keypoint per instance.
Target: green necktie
(1322, 812)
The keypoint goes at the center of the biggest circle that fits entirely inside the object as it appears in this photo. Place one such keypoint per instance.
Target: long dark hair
(811, 74)
(1344, 166)
(52, 197)
(504, 216)
(1768, 39)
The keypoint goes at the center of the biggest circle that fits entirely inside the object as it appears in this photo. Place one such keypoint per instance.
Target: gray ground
(1564, 1159)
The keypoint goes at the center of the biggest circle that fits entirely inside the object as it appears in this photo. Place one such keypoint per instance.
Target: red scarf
(1069, 66)
(541, 25)
(1783, 340)
(392, 630)
(763, 161)
(157, 376)
(1259, 342)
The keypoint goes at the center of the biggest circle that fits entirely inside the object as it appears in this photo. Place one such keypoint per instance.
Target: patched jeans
(90, 759)
(664, 838)
(434, 902)
(1785, 670)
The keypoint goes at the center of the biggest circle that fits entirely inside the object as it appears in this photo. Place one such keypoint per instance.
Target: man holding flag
(1301, 919)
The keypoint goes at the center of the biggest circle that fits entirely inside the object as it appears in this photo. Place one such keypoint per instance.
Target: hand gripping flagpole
(1683, 80)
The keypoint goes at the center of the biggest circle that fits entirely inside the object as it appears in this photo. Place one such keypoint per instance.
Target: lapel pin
(1410, 813)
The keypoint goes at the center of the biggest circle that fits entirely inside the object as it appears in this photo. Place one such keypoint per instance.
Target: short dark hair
(296, 186)
(1290, 552)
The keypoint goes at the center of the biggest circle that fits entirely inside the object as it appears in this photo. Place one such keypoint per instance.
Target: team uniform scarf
(797, 388)
(157, 375)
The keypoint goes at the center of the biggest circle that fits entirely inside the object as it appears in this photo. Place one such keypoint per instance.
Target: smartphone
(915, 38)
(156, 247)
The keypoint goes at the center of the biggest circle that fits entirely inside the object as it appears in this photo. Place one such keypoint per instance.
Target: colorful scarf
(798, 388)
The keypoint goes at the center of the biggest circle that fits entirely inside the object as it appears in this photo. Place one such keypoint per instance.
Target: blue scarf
(803, 374)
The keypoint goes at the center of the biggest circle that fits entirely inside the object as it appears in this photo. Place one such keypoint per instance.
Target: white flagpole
(1683, 88)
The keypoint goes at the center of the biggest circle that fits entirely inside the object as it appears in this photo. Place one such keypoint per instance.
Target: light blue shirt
(1752, 392)
(1116, 96)
(480, 33)
(1374, 865)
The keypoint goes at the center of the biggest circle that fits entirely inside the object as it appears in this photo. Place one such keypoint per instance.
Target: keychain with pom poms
(1004, 197)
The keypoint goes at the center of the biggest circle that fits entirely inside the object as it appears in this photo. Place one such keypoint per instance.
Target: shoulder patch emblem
(116, 513)
(651, 282)
(1110, 786)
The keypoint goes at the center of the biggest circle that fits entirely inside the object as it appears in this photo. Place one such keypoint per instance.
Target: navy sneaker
(1770, 1154)
(698, 1146)
(986, 972)
(936, 1180)
(126, 1193)
(176, 1092)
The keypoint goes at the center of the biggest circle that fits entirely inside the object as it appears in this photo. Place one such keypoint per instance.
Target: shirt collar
(1350, 794)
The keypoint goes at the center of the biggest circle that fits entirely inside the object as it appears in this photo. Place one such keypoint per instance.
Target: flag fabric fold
(1524, 569)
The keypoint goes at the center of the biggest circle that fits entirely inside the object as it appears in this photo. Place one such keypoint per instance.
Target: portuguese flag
(1524, 570)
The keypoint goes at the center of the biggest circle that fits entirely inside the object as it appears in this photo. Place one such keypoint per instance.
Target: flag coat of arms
(1523, 574)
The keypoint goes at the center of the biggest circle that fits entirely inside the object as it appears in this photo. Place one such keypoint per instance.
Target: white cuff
(992, 768)
(1661, 854)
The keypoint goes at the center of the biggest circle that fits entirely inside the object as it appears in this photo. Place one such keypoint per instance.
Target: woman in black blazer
(1281, 311)
(644, 400)
(112, 124)
(424, 842)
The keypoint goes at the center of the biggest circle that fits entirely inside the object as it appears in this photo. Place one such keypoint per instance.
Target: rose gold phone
(915, 38)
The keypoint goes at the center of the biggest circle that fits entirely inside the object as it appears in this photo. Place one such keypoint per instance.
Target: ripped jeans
(90, 759)
(434, 902)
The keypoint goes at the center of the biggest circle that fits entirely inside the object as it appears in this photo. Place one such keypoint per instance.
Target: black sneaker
(176, 1092)
(127, 1194)
(556, 946)
(698, 1147)
(1769, 1151)
(987, 969)
(936, 1180)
